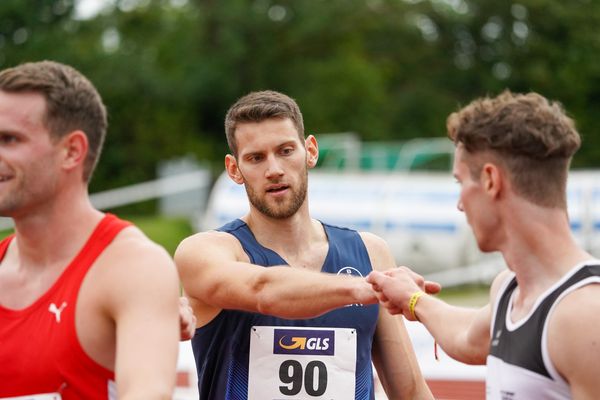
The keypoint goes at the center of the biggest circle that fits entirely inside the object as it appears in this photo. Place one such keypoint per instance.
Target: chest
(20, 289)
(313, 259)
(35, 341)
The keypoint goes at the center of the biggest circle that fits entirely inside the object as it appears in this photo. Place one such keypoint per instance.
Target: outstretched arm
(462, 332)
(216, 275)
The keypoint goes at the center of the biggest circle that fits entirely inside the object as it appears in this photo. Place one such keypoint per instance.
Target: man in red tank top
(88, 304)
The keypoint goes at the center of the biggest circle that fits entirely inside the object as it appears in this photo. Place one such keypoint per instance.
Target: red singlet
(39, 349)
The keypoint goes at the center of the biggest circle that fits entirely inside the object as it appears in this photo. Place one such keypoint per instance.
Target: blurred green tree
(386, 69)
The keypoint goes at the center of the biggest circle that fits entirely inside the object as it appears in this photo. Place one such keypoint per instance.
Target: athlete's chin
(7, 210)
(281, 214)
(486, 246)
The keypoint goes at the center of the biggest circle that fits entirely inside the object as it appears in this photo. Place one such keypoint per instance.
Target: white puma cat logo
(57, 310)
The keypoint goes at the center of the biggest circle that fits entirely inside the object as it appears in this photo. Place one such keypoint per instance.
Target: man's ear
(231, 166)
(492, 179)
(312, 151)
(75, 147)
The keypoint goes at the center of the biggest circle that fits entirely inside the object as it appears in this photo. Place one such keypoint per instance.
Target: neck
(53, 233)
(290, 235)
(540, 248)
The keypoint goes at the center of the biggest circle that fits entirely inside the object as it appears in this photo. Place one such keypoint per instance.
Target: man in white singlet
(539, 333)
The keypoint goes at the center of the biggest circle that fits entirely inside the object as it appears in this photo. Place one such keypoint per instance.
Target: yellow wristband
(412, 303)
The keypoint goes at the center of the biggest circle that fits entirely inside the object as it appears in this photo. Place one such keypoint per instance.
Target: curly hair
(531, 136)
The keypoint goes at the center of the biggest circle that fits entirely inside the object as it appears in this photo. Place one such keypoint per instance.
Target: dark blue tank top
(221, 348)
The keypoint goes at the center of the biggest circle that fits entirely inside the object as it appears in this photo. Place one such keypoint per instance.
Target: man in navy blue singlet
(539, 334)
(283, 309)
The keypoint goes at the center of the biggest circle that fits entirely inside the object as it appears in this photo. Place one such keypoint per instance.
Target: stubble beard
(12, 199)
(283, 209)
(31, 190)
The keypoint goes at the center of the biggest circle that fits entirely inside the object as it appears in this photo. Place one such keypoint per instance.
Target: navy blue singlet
(221, 348)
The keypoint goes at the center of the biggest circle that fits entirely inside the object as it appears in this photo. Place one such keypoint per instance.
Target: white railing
(198, 180)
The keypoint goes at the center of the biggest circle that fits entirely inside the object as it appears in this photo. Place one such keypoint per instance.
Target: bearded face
(282, 206)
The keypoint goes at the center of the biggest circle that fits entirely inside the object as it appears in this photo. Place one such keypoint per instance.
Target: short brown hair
(531, 136)
(72, 102)
(258, 107)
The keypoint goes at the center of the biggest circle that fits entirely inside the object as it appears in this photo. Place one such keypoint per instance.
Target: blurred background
(375, 80)
(384, 69)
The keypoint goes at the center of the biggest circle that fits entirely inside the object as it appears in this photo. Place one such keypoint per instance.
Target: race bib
(293, 363)
(43, 396)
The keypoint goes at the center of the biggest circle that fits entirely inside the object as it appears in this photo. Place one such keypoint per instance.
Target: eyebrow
(277, 146)
(287, 143)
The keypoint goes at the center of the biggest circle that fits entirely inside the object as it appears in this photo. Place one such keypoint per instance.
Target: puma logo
(57, 310)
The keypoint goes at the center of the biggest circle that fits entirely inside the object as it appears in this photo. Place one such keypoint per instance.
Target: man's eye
(7, 139)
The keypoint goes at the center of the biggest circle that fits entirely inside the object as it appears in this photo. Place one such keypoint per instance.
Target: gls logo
(304, 341)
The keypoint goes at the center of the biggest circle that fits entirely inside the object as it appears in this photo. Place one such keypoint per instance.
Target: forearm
(292, 293)
(456, 329)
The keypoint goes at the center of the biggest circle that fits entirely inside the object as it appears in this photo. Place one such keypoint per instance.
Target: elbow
(475, 359)
(470, 356)
(265, 306)
(267, 303)
(469, 349)
(270, 299)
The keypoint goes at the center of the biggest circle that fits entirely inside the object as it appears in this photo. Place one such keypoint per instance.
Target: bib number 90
(313, 378)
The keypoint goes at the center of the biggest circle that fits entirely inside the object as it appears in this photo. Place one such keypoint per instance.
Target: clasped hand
(395, 287)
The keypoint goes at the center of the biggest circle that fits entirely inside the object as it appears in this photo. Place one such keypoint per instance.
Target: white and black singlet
(519, 365)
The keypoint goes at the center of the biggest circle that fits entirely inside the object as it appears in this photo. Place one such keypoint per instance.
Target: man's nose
(274, 167)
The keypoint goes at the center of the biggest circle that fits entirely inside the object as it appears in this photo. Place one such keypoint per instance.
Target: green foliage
(387, 69)
(168, 232)
(5, 233)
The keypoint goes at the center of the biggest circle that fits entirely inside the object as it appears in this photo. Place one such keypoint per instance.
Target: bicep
(205, 262)
(215, 272)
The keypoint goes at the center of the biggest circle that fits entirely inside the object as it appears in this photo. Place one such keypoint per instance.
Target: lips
(277, 188)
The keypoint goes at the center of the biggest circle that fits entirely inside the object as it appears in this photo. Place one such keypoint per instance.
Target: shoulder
(373, 242)
(573, 332)
(379, 251)
(578, 308)
(132, 247)
(131, 268)
(216, 238)
(208, 245)
(132, 254)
